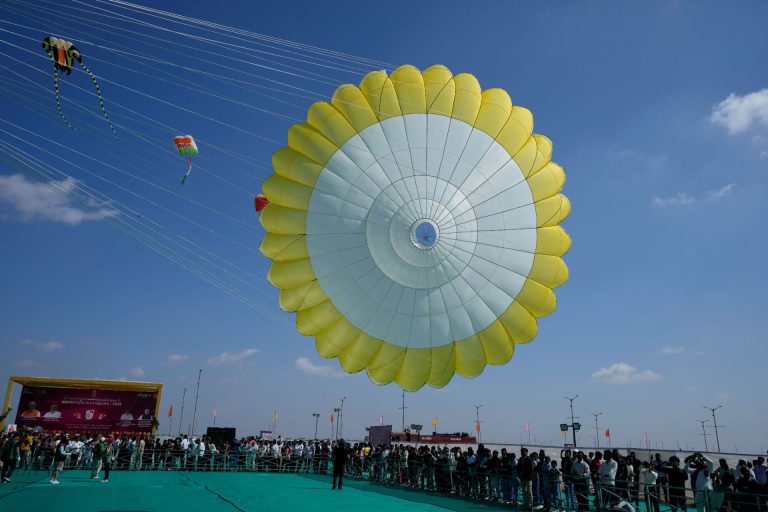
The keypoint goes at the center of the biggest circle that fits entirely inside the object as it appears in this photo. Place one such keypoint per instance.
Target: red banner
(85, 410)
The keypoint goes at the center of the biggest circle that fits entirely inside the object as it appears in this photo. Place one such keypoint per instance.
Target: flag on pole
(170, 411)
(276, 415)
(381, 420)
(214, 411)
(607, 432)
(477, 426)
(434, 422)
(331, 419)
(527, 427)
(565, 433)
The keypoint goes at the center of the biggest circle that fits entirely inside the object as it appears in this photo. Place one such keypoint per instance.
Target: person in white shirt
(700, 468)
(199, 451)
(184, 446)
(607, 474)
(648, 478)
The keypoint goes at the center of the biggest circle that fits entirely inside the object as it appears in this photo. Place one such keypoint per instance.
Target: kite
(185, 144)
(63, 54)
(414, 226)
(260, 201)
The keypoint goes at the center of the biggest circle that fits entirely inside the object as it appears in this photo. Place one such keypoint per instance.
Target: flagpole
(170, 421)
(197, 395)
(181, 417)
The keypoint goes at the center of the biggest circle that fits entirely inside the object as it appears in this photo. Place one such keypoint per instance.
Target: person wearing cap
(59, 458)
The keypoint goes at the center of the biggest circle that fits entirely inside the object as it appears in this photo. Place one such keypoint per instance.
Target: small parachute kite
(185, 144)
(63, 54)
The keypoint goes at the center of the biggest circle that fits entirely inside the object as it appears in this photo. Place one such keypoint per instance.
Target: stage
(129, 491)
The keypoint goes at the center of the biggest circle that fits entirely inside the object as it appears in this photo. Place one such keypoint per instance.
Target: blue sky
(658, 113)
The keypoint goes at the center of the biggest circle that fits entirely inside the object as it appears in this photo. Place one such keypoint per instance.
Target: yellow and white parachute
(414, 226)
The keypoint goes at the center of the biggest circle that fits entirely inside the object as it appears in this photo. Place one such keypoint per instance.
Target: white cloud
(739, 113)
(761, 143)
(30, 364)
(177, 358)
(232, 357)
(724, 191)
(722, 396)
(680, 199)
(649, 161)
(670, 351)
(137, 371)
(308, 367)
(49, 346)
(685, 199)
(622, 373)
(51, 200)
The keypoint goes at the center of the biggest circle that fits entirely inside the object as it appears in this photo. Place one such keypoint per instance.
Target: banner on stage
(62, 409)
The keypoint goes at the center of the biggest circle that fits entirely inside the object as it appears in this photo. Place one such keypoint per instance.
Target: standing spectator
(661, 481)
(552, 487)
(138, 459)
(623, 476)
(97, 461)
(724, 483)
(700, 468)
(107, 458)
(648, 477)
(59, 458)
(9, 456)
(607, 475)
(580, 472)
(676, 478)
(746, 491)
(25, 448)
(566, 467)
(525, 473)
(339, 462)
(761, 478)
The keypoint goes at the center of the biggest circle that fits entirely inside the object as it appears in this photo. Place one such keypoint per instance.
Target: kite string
(167, 251)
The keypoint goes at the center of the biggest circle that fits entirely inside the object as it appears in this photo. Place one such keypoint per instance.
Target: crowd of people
(530, 481)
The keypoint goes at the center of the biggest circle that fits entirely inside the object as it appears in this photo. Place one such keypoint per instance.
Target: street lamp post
(341, 417)
(597, 430)
(336, 411)
(317, 417)
(714, 423)
(573, 425)
(403, 408)
(477, 420)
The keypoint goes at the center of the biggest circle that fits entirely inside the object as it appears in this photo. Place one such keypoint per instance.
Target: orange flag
(170, 411)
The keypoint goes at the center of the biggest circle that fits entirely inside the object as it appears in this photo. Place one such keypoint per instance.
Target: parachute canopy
(413, 224)
(186, 145)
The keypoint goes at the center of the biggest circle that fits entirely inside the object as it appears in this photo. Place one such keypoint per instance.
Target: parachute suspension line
(189, 170)
(101, 99)
(56, 92)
